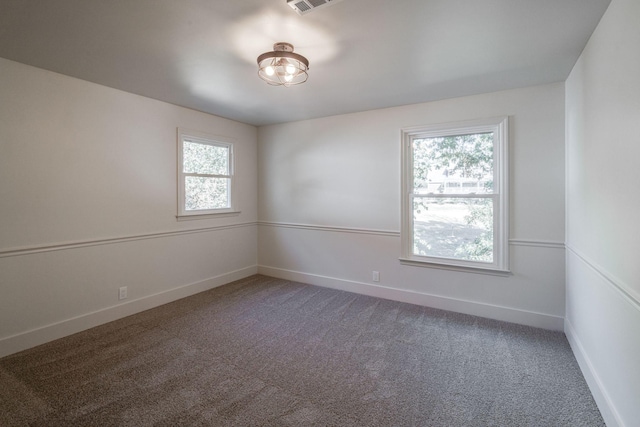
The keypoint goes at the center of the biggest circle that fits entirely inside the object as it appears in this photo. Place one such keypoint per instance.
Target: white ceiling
(363, 54)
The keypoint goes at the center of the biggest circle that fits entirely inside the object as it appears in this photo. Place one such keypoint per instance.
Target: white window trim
(204, 138)
(500, 128)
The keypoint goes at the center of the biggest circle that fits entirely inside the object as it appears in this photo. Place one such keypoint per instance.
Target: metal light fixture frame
(273, 66)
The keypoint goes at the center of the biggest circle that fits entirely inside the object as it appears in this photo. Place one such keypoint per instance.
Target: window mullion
(452, 196)
(205, 175)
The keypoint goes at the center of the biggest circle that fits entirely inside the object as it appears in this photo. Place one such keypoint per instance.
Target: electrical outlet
(376, 276)
(122, 293)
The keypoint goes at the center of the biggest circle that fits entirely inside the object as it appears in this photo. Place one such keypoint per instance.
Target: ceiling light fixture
(282, 67)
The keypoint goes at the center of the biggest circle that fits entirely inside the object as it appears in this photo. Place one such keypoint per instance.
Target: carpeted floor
(265, 351)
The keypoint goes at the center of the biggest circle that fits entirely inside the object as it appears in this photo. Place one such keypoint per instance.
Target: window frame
(499, 126)
(206, 139)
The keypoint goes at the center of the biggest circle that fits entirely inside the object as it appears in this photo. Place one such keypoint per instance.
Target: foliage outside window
(455, 207)
(205, 174)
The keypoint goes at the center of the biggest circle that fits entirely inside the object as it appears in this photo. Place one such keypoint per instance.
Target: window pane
(206, 193)
(459, 164)
(205, 159)
(453, 228)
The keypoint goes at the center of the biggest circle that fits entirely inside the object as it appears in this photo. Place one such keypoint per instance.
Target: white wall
(329, 206)
(88, 204)
(603, 211)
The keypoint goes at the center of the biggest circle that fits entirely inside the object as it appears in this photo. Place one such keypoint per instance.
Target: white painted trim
(393, 233)
(455, 267)
(96, 242)
(44, 334)
(389, 233)
(507, 314)
(499, 126)
(207, 216)
(603, 401)
(207, 139)
(537, 243)
(622, 289)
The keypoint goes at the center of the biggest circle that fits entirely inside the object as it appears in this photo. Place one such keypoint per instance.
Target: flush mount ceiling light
(282, 67)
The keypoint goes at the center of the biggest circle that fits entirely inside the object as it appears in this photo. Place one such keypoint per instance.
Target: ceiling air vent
(305, 6)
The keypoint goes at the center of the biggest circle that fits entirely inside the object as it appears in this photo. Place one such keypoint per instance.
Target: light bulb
(269, 70)
(290, 68)
(288, 77)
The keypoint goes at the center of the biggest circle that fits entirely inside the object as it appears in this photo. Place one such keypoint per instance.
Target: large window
(455, 195)
(205, 174)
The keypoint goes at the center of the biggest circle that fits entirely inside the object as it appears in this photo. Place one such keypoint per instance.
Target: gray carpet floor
(270, 352)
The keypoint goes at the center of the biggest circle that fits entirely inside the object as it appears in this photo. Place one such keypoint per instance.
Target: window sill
(452, 267)
(190, 217)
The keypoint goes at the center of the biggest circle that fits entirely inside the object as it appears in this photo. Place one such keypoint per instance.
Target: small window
(205, 174)
(455, 195)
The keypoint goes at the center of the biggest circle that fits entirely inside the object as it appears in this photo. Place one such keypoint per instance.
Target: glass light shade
(290, 68)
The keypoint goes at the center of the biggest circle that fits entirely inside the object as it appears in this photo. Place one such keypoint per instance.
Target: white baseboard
(507, 314)
(34, 337)
(600, 395)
